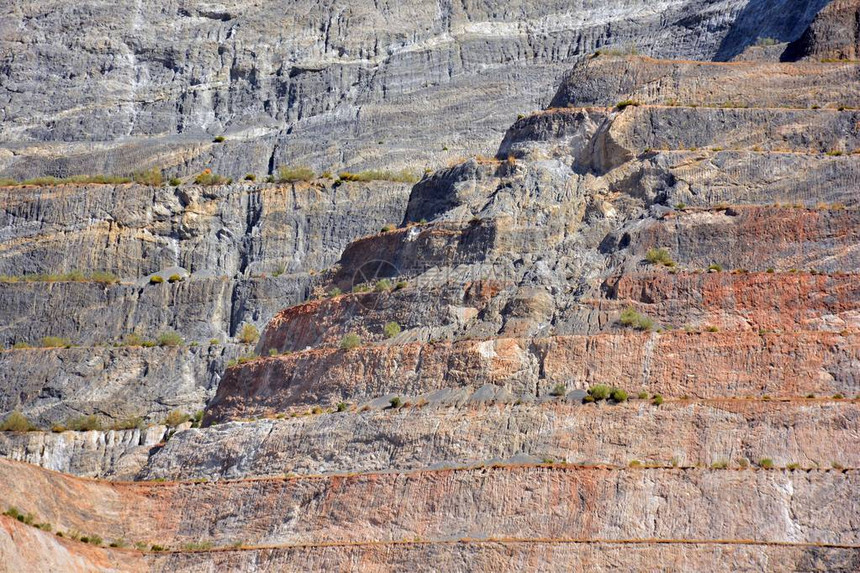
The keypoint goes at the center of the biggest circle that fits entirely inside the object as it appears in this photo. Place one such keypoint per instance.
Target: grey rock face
(342, 84)
(51, 386)
(442, 436)
(250, 251)
(113, 454)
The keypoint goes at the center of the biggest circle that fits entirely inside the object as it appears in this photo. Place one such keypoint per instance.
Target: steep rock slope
(331, 84)
(607, 346)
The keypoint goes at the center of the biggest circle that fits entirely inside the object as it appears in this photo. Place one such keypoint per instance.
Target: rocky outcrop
(53, 386)
(119, 454)
(323, 84)
(605, 341)
(244, 252)
(510, 502)
(461, 429)
(833, 35)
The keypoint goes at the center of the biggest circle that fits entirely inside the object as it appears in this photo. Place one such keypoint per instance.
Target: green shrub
(207, 178)
(720, 465)
(249, 334)
(335, 292)
(643, 395)
(21, 345)
(250, 177)
(293, 174)
(391, 329)
(792, 466)
(600, 391)
(633, 319)
(273, 352)
(128, 424)
(618, 395)
(156, 548)
(387, 228)
(383, 285)
(659, 257)
(175, 182)
(16, 422)
(716, 267)
(558, 390)
(396, 402)
(174, 278)
(403, 176)
(169, 338)
(626, 103)
(151, 177)
(104, 277)
(589, 399)
(201, 546)
(175, 418)
(197, 419)
(400, 285)
(765, 463)
(84, 423)
(635, 464)
(658, 400)
(246, 358)
(766, 42)
(55, 342)
(155, 280)
(219, 139)
(350, 341)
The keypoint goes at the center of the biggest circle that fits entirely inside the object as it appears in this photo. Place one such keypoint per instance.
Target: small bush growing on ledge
(175, 182)
(249, 334)
(219, 139)
(658, 400)
(383, 286)
(151, 177)
(169, 338)
(55, 342)
(391, 329)
(396, 402)
(633, 319)
(403, 176)
(659, 257)
(350, 341)
(293, 174)
(155, 280)
(16, 422)
(599, 391)
(175, 278)
(342, 406)
(618, 395)
(128, 424)
(558, 390)
(250, 177)
(209, 178)
(85, 423)
(176, 418)
(716, 267)
(622, 105)
(765, 463)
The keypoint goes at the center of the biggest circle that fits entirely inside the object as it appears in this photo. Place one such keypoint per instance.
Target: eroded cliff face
(403, 84)
(629, 340)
